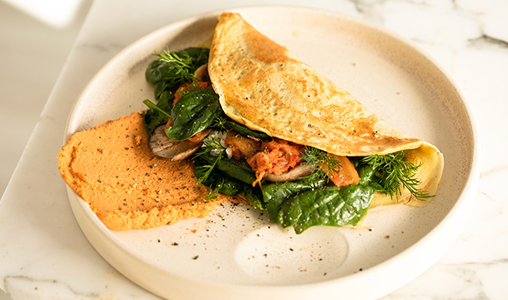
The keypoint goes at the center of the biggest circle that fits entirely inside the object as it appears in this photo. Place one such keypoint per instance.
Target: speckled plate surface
(236, 253)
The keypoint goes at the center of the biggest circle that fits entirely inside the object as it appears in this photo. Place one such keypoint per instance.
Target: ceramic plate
(236, 253)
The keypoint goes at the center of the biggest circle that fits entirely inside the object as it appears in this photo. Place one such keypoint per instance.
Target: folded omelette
(261, 85)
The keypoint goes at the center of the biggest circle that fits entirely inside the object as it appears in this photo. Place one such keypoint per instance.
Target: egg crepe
(263, 86)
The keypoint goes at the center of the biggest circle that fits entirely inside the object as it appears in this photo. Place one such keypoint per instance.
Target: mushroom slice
(162, 146)
(240, 146)
(297, 172)
(201, 73)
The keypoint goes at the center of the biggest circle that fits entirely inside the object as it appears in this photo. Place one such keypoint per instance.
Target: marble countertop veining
(44, 255)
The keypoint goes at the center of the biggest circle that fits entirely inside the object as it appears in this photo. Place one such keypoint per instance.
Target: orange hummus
(111, 168)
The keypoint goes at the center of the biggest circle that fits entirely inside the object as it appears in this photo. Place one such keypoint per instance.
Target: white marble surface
(44, 255)
(22, 103)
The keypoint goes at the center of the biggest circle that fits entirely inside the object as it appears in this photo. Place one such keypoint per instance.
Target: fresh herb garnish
(176, 67)
(182, 63)
(324, 162)
(213, 192)
(211, 147)
(394, 172)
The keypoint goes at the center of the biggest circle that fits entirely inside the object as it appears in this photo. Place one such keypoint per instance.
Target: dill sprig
(325, 163)
(213, 193)
(213, 147)
(182, 63)
(220, 123)
(395, 172)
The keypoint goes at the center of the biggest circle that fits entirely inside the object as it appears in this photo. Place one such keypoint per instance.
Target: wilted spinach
(167, 73)
(192, 113)
(301, 204)
(332, 206)
(159, 113)
(274, 194)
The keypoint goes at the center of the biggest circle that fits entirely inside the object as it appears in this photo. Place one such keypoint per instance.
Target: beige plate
(236, 253)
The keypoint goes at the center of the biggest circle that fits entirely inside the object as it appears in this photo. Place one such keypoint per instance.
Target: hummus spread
(111, 168)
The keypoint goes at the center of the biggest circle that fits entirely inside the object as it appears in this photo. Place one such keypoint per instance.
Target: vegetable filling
(299, 186)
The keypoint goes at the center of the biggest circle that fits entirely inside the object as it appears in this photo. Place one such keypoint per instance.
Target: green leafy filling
(301, 204)
(192, 113)
(175, 68)
(167, 73)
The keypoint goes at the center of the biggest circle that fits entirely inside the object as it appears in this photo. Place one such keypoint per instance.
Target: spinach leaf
(306, 203)
(223, 123)
(217, 180)
(156, 71)
(159, 113)
(244, 130)
(274, 194)
(162, 90)
(239, 170)
(253, 196)
(167, 73)
(192, 113)
(332, 206)
(199, 55)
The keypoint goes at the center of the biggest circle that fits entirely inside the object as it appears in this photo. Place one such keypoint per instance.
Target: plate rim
(467, 192)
